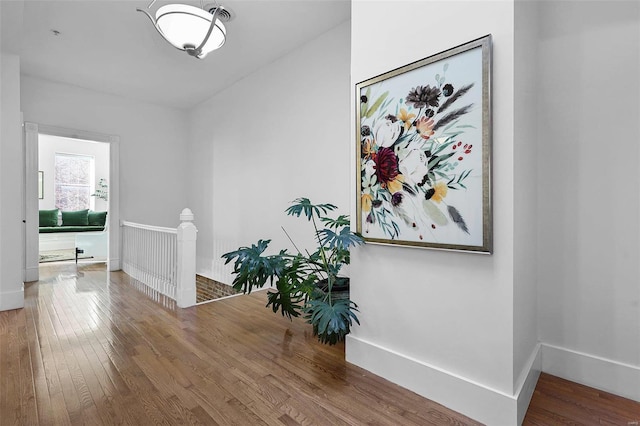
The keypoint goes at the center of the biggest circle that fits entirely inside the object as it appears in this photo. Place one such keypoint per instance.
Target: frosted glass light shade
(185, 27)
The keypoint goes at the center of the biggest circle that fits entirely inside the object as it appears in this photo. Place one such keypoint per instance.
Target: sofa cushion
(48, 217)
(75, 218)
(57, 229)
(97, 218)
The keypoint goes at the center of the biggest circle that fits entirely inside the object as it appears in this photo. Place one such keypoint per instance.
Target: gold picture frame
(423, 137)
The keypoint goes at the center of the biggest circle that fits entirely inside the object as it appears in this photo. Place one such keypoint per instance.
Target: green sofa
(72, 221)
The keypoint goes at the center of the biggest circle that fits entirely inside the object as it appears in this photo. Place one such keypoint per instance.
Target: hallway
(90, 347)
(95, 347)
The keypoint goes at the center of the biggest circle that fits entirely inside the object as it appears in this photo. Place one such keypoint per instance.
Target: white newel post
(186, 286)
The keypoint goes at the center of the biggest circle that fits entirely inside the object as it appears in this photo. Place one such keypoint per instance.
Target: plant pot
(340, 289)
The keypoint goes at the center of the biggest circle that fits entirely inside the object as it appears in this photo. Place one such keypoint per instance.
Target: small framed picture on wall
(40, 185)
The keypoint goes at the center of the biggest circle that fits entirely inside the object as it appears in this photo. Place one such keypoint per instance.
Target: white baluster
(162, 260)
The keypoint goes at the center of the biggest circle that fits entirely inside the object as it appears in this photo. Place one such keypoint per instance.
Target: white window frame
(92, 178)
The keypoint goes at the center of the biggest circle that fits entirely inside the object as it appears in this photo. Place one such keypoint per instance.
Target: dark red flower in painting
(386, 165)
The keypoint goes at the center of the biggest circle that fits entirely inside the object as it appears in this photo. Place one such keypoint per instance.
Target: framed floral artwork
(424, 152)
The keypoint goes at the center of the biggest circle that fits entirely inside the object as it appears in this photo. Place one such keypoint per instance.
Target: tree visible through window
(73, 176)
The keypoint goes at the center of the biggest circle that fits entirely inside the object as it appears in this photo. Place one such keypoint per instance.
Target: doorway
(37, 185)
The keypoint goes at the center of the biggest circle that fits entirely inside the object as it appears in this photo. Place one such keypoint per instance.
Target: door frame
(31, 136)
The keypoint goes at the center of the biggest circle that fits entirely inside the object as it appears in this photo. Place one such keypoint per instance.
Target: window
(73, 181)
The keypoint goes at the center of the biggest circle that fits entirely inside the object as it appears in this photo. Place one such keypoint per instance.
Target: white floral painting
(424, 152)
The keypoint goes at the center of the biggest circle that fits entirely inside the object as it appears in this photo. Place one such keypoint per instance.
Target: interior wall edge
(527, 385)
(473, 399)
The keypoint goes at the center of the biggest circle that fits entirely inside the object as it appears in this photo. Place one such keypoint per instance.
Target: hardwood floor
(92, 347)
(560, 402)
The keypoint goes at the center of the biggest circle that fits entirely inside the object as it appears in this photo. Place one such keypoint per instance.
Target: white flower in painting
(369, 168)
(388, 132)
(415, 166)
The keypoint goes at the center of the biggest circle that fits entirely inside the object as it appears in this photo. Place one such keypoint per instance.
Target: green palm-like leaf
(251, 268)
(294, 286)
(285, 299)
(342, 220)
(341, 240)
(339, 258)
(304, 206)
(331, 321)
(295, 278)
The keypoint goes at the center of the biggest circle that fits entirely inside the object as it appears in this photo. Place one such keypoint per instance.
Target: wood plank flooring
(560, 402)
(92, 347)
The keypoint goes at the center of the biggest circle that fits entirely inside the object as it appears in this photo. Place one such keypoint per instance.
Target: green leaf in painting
(464, 175)
(436, 161)
(448, 142)
(442, 175)
(446, 67)
(442, 147)
(386, 104)
(449, 126)
(434, 213)
(376, 104)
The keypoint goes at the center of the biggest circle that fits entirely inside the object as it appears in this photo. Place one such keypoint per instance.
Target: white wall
(153, 143)
(526, 356)
(11, 186)
(442, 323)
(49, 145)
(279, 134)
(589, 193)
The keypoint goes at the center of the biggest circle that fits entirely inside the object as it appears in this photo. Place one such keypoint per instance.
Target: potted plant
(306, 283)
(102, 192)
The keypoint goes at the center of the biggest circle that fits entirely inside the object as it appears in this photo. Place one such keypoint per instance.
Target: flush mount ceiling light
(197, 31)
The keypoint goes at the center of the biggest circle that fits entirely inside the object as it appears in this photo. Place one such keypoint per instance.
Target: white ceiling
(106, 45)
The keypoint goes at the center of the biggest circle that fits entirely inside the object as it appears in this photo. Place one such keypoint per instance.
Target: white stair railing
(164, 259)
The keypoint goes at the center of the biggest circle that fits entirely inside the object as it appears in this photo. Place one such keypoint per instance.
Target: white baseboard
(528, 381)
(11, 300)
(114, 264)
(600, 373)
(479, 402)
(31, 273)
